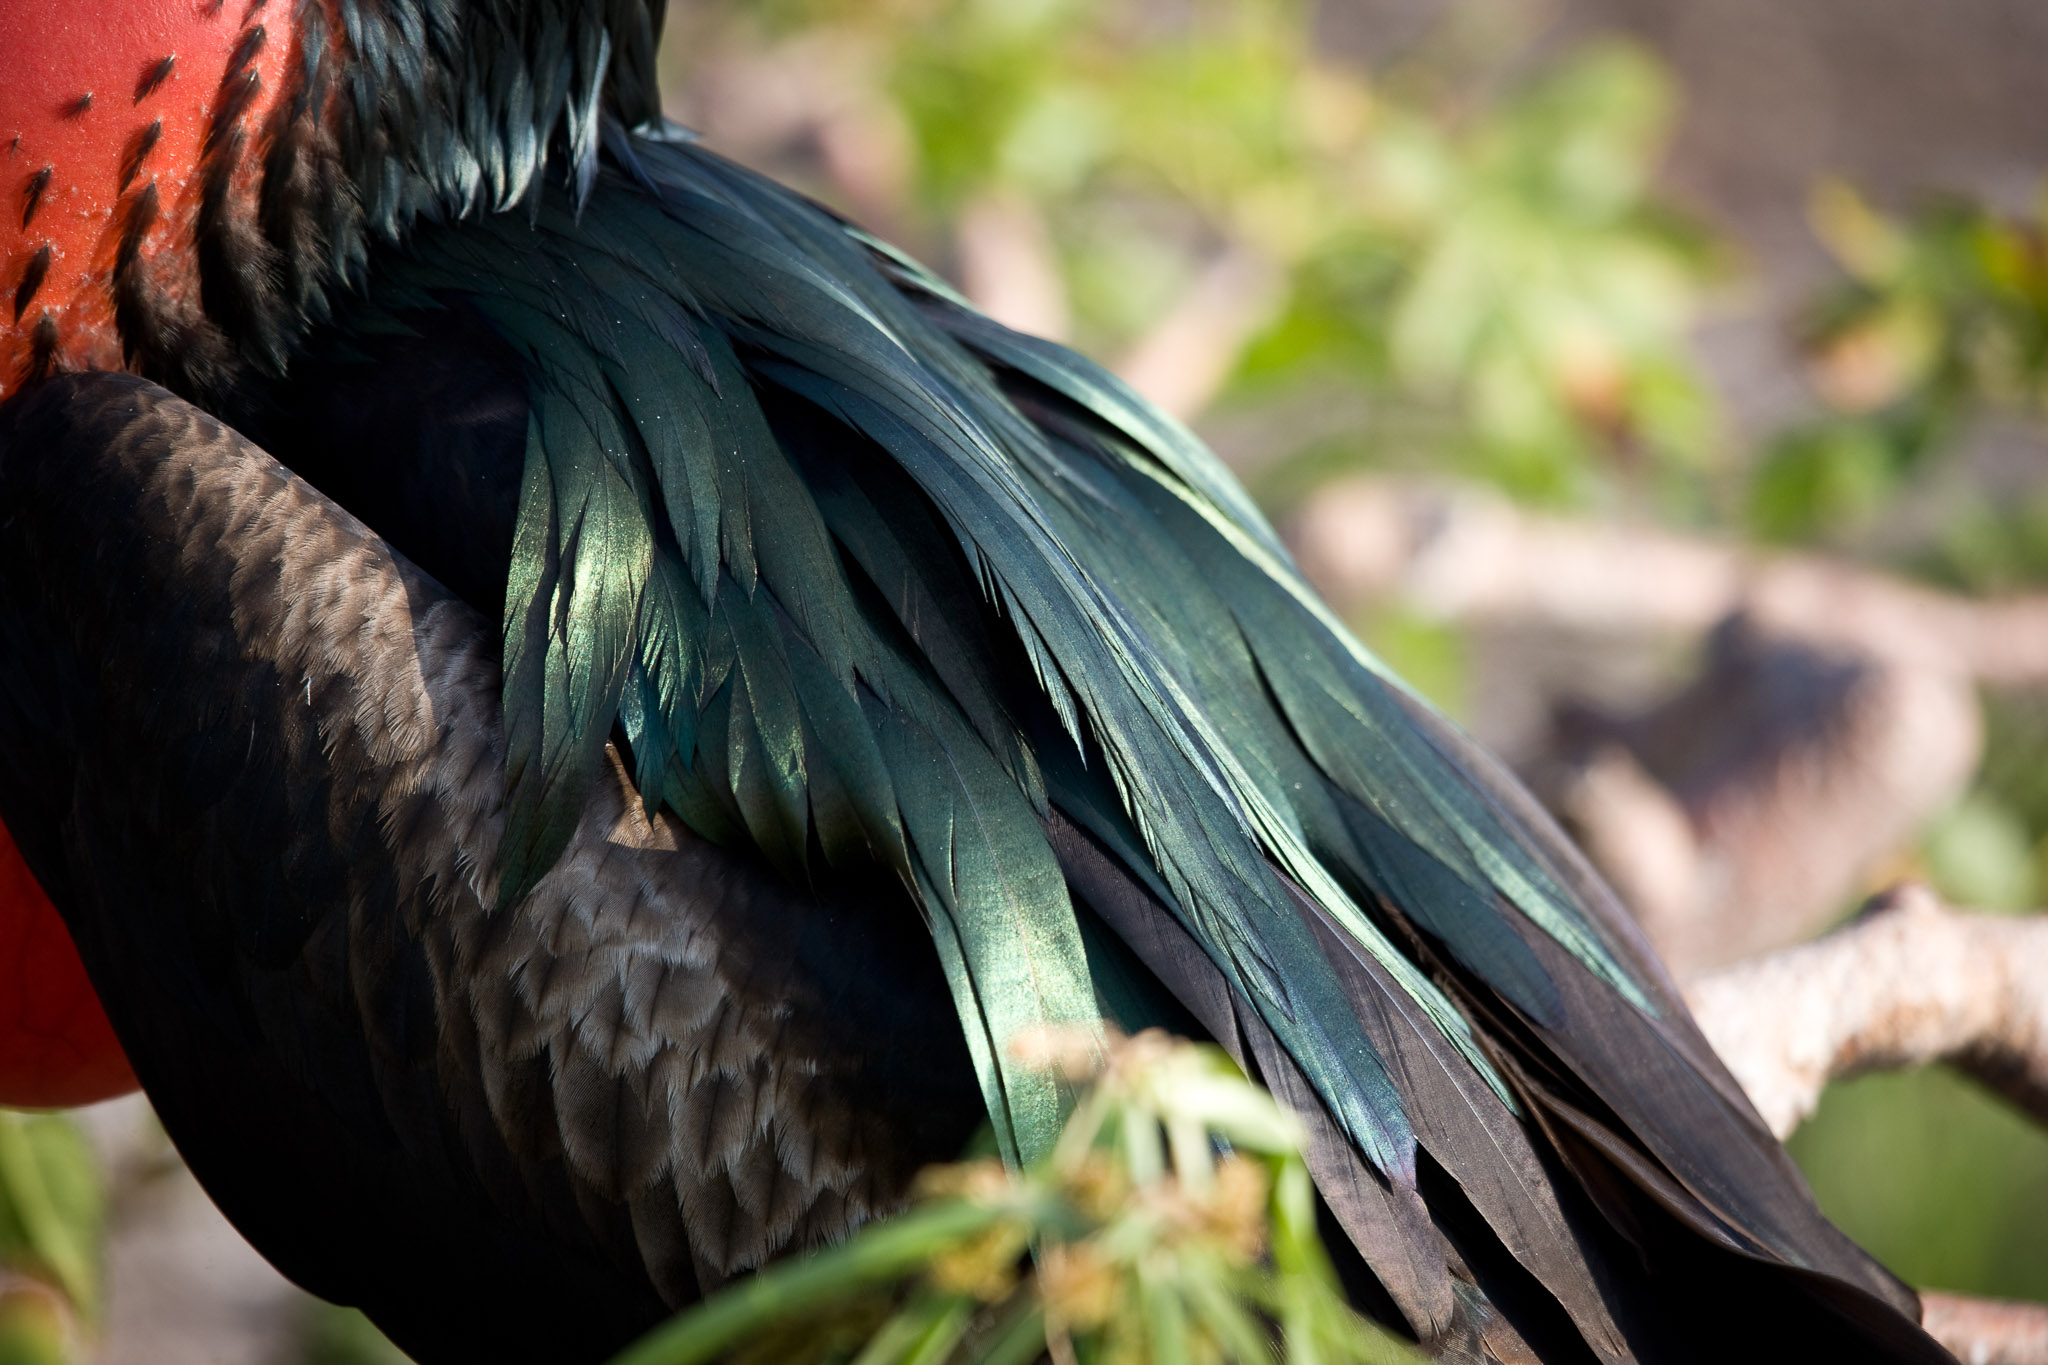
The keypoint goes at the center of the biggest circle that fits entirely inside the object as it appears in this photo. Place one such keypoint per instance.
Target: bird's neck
(192, 180)
(126, 129)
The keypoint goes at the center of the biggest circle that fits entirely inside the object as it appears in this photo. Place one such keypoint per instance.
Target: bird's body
(575, 713)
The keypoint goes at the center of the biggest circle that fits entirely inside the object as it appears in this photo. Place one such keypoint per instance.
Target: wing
(865, 580)
(256, 758)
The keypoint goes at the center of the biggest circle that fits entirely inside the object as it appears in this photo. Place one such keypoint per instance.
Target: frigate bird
(574, 704)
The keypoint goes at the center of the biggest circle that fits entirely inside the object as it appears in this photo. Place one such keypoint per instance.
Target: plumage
(321, 979)
(660, 695)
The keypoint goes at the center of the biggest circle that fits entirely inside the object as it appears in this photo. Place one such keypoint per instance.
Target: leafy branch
(1173, 1221)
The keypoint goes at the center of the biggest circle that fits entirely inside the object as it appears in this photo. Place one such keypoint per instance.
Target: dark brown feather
(519, 1135)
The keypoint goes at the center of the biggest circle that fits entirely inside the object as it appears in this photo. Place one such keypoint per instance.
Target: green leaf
(51, 1207)
(883, 1253)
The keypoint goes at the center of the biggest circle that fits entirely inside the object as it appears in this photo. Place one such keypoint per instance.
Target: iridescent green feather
(787, 524)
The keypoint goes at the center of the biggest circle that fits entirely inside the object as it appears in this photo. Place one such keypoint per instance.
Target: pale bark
(1188, 355)
(1739, 815)
(1987, 1331)
(1909, 982)
(1008, 266)
(1461, 553)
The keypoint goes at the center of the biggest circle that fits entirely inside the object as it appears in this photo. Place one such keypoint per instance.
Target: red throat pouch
(109, 110)
(106, 107)
(56, 1047)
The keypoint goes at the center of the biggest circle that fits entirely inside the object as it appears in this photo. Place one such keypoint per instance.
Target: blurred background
(1658, 384)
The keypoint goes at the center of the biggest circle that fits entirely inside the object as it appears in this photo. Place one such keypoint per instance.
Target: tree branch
(1463, 553)
(1008, 265)
(1987, 1331)
(1184, 360)
(1908, 982)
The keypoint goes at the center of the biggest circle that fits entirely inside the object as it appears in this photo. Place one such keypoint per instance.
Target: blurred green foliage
(1497, 276)
(2015, 774)
(1507, 291)
(51, 1224)
(1472, 247)
(1943, 1183)
(1990, 850)
(1939, 319)
(1980, 853)
(1429, 655)
(332, 1335)
(1174, 1220)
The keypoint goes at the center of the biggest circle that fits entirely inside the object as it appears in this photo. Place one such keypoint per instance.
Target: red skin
(56, 1046)
(72, 78)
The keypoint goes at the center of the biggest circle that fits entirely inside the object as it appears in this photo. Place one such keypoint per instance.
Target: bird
(563, 708)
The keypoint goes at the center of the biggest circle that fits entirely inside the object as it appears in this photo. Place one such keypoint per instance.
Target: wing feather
(861, 575)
